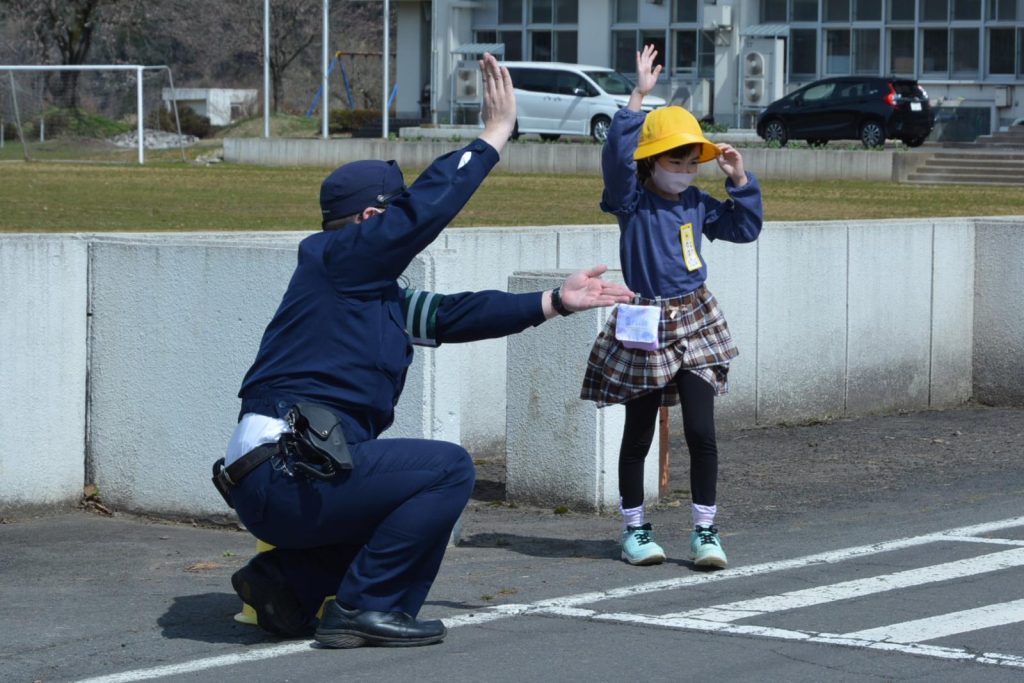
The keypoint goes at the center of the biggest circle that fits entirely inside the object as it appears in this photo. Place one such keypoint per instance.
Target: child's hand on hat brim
(731, 162)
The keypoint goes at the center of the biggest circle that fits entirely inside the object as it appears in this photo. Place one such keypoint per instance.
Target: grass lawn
(168, 195)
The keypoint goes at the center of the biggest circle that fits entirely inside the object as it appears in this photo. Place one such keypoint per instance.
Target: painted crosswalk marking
(858, 588)
(945, 625)
(906, 637)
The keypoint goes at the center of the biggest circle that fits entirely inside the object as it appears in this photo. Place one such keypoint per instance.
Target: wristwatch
(556, 302)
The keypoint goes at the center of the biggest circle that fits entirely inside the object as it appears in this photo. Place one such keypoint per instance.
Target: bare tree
(65, 32)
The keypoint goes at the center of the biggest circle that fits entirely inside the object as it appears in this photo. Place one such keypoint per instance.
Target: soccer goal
(108, 113)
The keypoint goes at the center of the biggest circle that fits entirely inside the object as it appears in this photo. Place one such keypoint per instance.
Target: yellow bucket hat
(670, 127)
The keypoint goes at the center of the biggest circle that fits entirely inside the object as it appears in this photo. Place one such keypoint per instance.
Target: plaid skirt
(693, 336)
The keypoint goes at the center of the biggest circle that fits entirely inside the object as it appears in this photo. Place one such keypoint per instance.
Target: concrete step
(958, 179)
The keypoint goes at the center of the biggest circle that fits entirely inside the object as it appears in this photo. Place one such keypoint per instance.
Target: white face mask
(670, 182)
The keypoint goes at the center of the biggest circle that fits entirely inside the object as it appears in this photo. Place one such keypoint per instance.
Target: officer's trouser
(375, 535)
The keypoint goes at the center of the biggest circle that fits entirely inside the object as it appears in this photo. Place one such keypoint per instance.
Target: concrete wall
(999, 311)
(176, 324)
(43, 362)
(156, 331)
(530, 157)
(561, 450)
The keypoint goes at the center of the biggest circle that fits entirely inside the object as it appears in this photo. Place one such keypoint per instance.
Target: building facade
(727, 59)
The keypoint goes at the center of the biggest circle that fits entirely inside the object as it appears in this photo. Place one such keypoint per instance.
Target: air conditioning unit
(694, 97)
(468, 83)
(717, 17)
(762, 75)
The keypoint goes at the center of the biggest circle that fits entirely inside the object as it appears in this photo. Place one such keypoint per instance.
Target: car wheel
(775, 131)
(914, 142)
(515, 132)
(871, 134)
(599, 128)
(549, 137)
(817, 142)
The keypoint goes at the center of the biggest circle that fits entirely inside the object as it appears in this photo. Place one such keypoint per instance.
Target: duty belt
(226, 478)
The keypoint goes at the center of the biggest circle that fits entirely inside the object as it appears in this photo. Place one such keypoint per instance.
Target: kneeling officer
(349, 514)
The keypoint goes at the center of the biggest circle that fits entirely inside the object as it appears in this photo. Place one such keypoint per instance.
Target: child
(649, 164)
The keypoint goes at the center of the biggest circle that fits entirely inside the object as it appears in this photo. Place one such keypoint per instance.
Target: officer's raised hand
(582, 290)
(499, 112)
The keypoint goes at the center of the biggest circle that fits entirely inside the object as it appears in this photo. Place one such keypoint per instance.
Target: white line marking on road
(943, 625)
(857, 588)
(563, 605)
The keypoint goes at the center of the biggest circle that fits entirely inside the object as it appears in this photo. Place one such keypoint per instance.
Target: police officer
(351, 515)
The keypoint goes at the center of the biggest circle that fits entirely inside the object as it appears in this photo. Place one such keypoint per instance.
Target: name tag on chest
(689, 245)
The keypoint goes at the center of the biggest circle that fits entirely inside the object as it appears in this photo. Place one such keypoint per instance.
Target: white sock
(704, 515)
(632, 516)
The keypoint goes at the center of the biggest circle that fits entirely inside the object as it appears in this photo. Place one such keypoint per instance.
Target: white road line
(556, 604)
(944, 625)
(910, 648)
(819, 595)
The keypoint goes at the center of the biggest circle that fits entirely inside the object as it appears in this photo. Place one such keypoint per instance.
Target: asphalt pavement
(882, 548)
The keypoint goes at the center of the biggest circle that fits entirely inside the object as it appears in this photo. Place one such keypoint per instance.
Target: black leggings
(697, 398)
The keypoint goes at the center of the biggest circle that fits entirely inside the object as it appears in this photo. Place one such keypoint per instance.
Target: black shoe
(278, 610)
(344, 628)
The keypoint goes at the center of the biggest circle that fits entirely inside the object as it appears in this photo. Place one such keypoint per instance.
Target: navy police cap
(353, 187)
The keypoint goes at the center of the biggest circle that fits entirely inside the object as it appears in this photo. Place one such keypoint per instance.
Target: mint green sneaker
(706, 548)
(639, 548)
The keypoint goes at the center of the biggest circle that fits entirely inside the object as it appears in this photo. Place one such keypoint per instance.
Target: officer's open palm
(585, 289)
(499, 110)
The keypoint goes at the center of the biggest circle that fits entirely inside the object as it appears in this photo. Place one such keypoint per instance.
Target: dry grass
(174, 196)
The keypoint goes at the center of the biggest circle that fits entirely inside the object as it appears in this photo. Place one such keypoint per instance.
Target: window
(566, 11)
(553, 46)
(773, 10)
(535, 80)
(626, 13)
(485, 36)
(867, 51)
(624, 51)
(967, 9)
(1002, 10)
(513, 41)
(686, 52)
(867, 10)
(934, 10)
(684, 11)
(1020, 53)
(901, 11)
(965, 51)
(566, 46)
(1000, 51)
(540, 46)
(805, 10)
(837, 52)
(803, 52)
(540, 11)
(901, 52)
(837, 10)
(510, 11)
(819, 93)
(933, 50)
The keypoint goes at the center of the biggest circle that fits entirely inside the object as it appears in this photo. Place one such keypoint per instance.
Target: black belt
(226, 478)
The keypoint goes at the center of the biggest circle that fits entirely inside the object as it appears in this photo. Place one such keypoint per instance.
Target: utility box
(1002, 96)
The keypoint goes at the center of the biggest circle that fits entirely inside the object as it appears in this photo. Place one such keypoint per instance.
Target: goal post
(108, 101)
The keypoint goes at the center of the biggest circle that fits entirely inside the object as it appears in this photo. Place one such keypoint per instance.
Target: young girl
(649, 163)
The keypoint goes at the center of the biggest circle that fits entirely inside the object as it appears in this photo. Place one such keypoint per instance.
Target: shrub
(350, 120)
(191, 122)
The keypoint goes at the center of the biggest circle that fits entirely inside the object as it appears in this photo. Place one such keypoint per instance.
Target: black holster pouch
(319, 440)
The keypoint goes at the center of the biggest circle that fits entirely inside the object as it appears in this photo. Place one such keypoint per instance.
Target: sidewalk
(84, 595)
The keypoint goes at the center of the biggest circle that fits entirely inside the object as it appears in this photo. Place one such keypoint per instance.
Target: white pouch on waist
(637, 326)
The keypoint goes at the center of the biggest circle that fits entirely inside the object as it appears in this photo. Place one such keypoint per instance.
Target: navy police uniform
(374, 534)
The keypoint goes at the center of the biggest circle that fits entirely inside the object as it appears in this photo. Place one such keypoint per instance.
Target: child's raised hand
(646, 72)
(731, 162)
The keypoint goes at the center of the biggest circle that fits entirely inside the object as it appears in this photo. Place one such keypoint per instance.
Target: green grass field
(169, 195)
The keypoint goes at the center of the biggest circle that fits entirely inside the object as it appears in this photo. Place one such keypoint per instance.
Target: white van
(554, 99)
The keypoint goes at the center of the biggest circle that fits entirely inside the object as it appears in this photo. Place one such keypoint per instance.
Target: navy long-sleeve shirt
(650, 250)
(339, 336)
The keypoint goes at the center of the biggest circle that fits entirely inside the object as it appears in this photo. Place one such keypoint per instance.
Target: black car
(868, 109)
